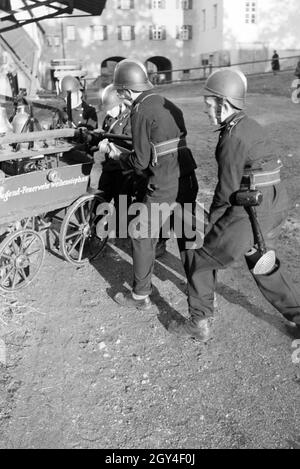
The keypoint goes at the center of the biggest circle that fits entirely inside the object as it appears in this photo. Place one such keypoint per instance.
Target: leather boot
(195, 328)
(127, 301)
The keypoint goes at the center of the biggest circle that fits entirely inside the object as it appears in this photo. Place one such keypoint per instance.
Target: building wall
(276, 27)
(279, 26)
(210, 33)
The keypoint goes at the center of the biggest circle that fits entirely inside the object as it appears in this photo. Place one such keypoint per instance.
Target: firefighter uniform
(242, 154)
(85, 115)
(162, 156)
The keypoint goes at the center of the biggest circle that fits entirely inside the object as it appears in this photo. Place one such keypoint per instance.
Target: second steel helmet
(131, 75)
(109, 97)
(69, 83)
(228, 83)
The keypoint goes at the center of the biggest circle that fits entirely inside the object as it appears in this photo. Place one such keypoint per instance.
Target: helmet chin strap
(115, 111)
(219, 109)
(76, 99)
(127, 94)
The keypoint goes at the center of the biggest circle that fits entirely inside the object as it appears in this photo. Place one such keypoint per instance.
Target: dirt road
(82, 373)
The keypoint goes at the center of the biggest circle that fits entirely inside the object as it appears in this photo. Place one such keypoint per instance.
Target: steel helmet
(109, 97)
(228, 83)
(69, 83)
(131, 75)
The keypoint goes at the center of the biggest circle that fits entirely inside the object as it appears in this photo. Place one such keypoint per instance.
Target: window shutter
(177, 32)
(163, 3)
(132, 33)
(150, 32)
(190, 4)
(190, 32)
(131, 4)
(119, 4)
(105, 35)
(164, 33)
(119, 33)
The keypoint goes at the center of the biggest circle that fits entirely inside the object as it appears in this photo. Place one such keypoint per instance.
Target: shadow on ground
(169, 268)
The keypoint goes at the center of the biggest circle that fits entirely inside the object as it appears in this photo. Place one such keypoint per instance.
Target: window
(185, 32)
(56, 41)
(158, 33)
(215, 11)
(184, 4)
(71, 35)
(99, 32)
(126, 33)
(250, 12)
(203, 20)
(158, 4)
(125, 4)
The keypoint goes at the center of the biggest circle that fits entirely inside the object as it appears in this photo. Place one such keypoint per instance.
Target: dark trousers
(143, 247)
(229, 239)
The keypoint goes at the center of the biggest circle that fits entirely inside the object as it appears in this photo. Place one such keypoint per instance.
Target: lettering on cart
(5, 195)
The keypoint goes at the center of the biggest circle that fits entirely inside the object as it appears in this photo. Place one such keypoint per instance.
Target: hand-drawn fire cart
(39, 182)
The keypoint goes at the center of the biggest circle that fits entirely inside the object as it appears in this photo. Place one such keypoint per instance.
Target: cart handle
(37, 136)
(55, 133)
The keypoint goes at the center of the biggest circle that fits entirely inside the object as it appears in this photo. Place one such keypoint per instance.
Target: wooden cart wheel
(78, 241)
(21, 256)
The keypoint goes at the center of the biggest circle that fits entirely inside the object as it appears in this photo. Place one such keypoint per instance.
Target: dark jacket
(84, 115)
(120, 126)
(242, 146)
(155, 119)
(275, 62)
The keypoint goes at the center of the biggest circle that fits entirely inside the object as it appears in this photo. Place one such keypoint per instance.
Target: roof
(5, 5)
(93, 7)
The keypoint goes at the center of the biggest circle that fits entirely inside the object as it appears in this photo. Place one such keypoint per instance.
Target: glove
(83, 135)
(113, 152)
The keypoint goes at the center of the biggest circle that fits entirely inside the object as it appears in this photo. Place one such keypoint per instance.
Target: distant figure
(275, 63)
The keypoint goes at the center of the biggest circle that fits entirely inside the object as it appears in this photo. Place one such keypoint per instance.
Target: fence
(201, 73)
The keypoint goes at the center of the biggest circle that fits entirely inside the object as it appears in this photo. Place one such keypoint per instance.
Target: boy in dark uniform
(245, 160)
(83, 114)
(107, 174)
(161, 154)
(79, 114)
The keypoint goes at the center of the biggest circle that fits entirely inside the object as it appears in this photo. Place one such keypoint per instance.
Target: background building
(177, 36)
(157, 32)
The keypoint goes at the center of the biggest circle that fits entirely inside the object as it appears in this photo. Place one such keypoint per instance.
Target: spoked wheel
(78, 241)
(21, 257)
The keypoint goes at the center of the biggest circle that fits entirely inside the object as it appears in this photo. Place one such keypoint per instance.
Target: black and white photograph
(150, 227)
